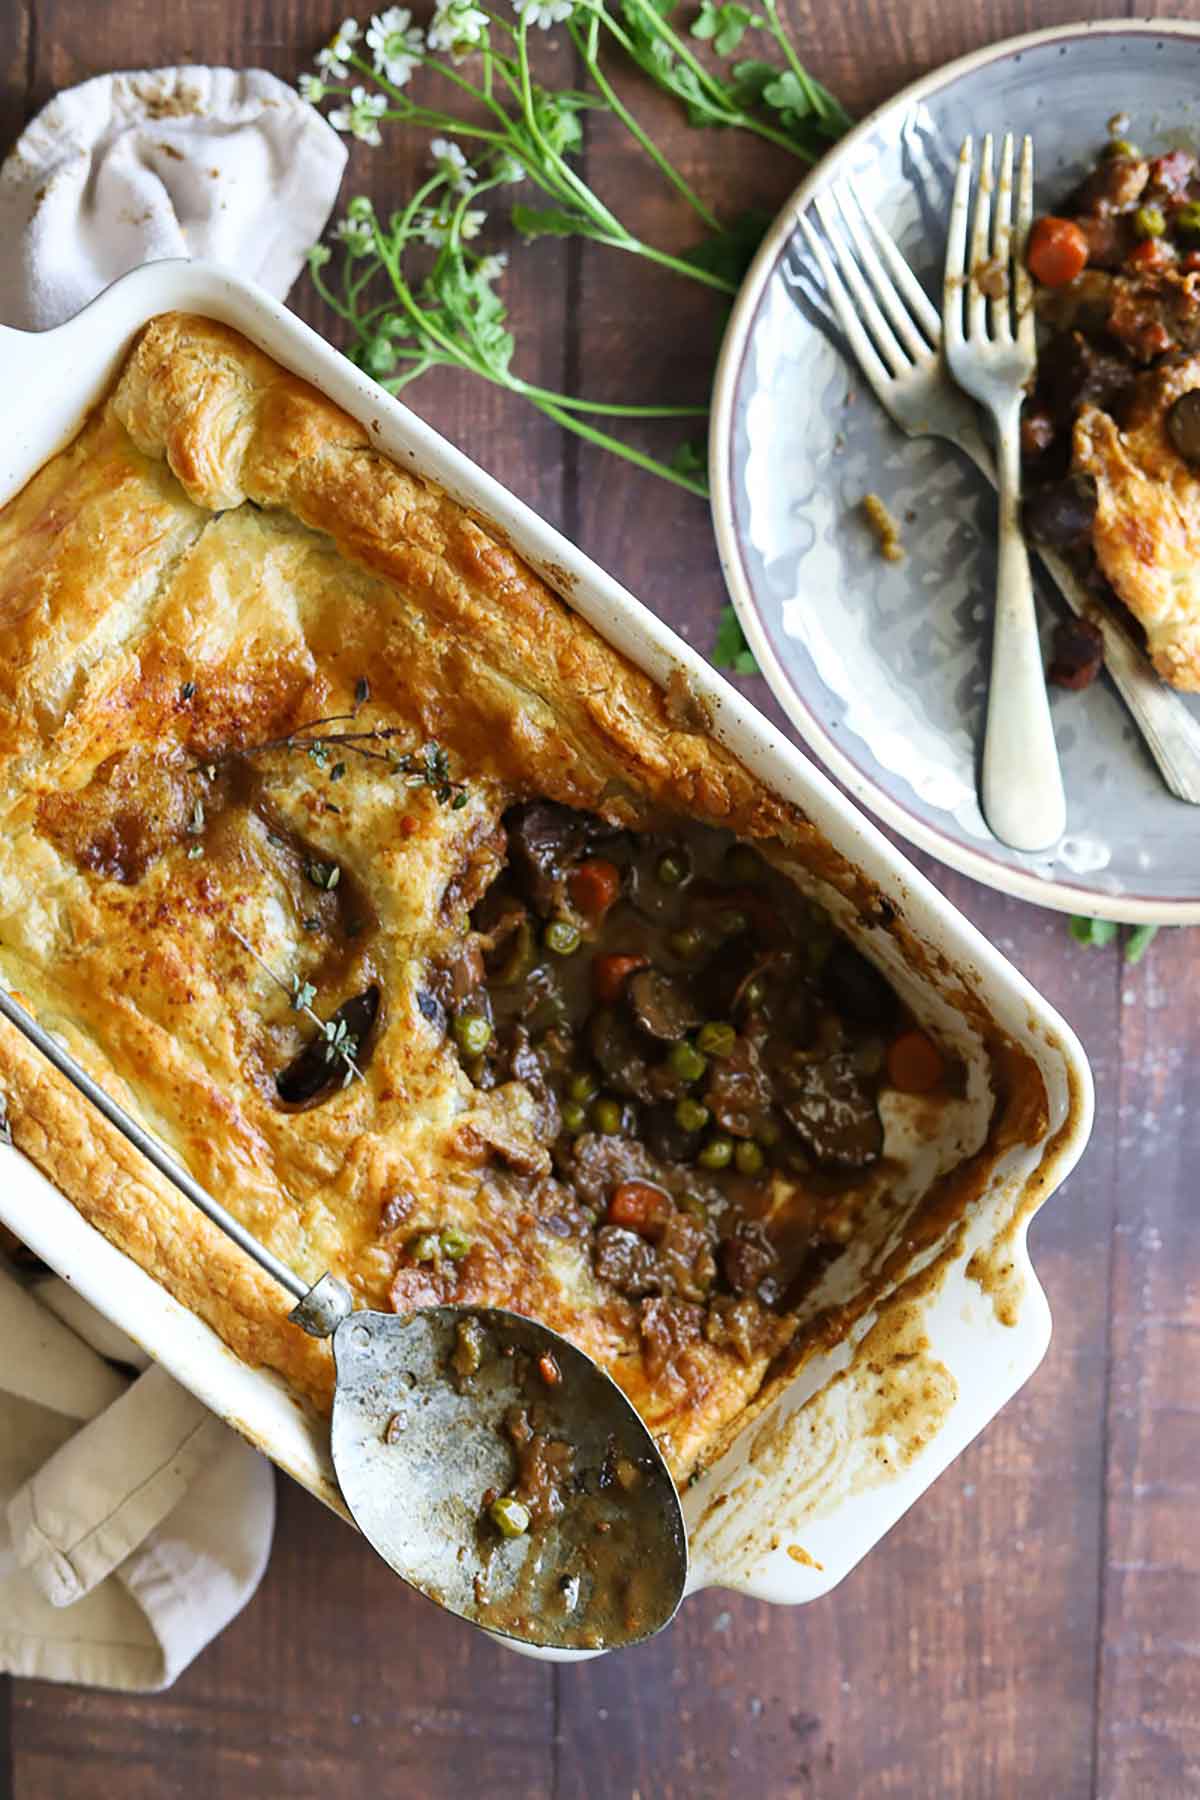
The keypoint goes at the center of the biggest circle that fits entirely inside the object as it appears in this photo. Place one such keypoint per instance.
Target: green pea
(716, 1038)
(606, 1117)
(691, 1116)
(754, 993)
(769, 1134)
(1148, 221)
(687, 945)
(1188, 218)
(1121, 147)
(583, 1086)
(732, 923)
(472, 1033)
(574, 1117)
(562, 937)
(749, 1158)
(519, 959)
(686, 1061)
(454, 1243)
(671, 870)
(424, 1248)
(743, 863)
(717, 1153)
(509, 1517)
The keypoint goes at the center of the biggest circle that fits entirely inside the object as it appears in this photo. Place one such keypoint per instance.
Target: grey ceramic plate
(882, 666)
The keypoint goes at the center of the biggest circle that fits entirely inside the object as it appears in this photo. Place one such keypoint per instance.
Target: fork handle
(1022, 789)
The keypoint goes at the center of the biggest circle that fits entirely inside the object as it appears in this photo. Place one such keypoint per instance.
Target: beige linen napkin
(228, 164)
(133, 1524)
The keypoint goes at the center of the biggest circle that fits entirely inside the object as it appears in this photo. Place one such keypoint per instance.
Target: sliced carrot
(1058, 251)
(594, 885)
(610, 973)
(640, 1207)
(1151, 253)
(915, 1065)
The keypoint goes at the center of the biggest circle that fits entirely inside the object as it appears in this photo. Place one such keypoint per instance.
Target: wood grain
(1032, 1626)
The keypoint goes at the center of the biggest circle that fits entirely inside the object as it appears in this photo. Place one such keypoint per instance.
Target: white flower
(509, 169)
(544, 12)
(356, 234)
(333, 58)
(361, 117)
(395, 43)
(449, 161)
(457, 25)
(312, 89)
(433, 228)
(491, 268)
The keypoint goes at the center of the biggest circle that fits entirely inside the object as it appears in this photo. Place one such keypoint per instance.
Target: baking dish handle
(49, 380)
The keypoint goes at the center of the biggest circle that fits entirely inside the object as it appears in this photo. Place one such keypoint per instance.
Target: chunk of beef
(739, 1091)
(668, 1327)
(748, 1257)
(627, 1261)
(544, 839)
(833, 1110)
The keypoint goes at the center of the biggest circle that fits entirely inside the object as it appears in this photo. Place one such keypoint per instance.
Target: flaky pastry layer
(221, 556)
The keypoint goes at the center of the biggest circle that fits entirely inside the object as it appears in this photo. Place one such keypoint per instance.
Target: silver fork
(912, 385)
(990, 351)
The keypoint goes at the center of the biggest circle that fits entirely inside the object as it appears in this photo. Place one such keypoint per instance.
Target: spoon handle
(320, 1307)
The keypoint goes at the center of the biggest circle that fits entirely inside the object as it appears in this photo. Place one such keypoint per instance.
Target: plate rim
(1055, 895)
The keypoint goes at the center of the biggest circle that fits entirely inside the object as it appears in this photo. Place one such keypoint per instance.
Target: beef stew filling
(705, 1053)
(1117, 297)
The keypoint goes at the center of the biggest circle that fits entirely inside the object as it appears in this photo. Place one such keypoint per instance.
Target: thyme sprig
(428, 766)
(339, 1040)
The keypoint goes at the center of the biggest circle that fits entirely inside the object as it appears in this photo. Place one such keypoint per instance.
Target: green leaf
(549, 221)
(691, 458)
(748, 81)
(730, 253)
(1139, 941)
(1092, 931)
(788, 96)
(730, 649)
(725, 25)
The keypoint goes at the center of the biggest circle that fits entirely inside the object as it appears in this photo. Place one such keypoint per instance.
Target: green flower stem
(609, 409)
(608, 222)
(441, 67)
(638, 457)
(819, 97)
(705, 277)
(588, 50)
(713, 96)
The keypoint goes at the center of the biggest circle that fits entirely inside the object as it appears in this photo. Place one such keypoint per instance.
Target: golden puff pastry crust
(1146, 533)
(221, 556)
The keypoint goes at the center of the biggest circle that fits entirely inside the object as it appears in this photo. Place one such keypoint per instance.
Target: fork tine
(980, 243)
(955, 281)
(854, 221)
(885, 339)
(869, 359)
(999, 305)
(920, 305)
(1022, 286)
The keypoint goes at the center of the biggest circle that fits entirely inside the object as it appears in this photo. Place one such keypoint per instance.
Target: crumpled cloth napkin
(125, 169)
(134, 1524)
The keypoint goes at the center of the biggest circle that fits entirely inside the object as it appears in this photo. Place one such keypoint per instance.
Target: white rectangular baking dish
(833, 1459)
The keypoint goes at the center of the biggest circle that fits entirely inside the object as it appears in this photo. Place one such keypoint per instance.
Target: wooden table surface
(1032, 1627)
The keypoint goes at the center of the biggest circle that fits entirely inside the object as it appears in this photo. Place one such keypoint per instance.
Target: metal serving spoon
(434, 1411)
